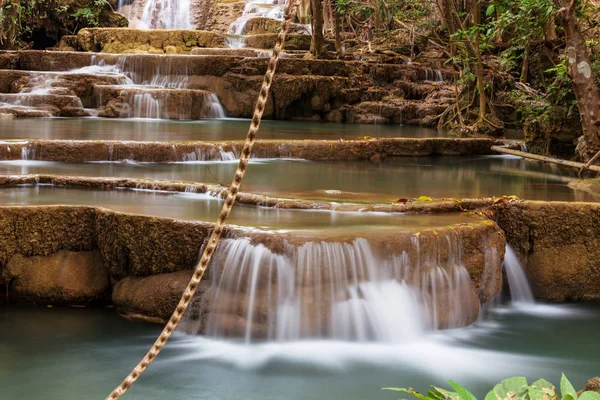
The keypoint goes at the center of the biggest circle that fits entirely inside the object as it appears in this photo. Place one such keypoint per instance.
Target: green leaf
(462, 392)
(567, 389)
(447, 394)
(542, 390)
(490, 10)
(409, 391)
(589, 396)
(511, 388)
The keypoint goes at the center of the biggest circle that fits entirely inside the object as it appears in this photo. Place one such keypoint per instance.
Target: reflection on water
(401, 177)
(84, 353)
(163, 130)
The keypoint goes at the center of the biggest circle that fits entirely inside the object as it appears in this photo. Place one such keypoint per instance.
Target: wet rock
(124, 41)
(84, 150)
(153, 298)
(150, 102)
(559, 245)
(268, 40)
(62, 278)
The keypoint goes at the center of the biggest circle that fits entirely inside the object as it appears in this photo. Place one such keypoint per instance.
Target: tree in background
(582, 75)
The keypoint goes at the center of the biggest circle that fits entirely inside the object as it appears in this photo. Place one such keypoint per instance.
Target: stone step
(156, 102)
(234, 52)
(56, 105)
(80, 84)
(160, 41)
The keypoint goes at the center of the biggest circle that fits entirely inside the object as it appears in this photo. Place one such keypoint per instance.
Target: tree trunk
(476, 13)
(339, 47)
(582, 75)
(328, 17)
(525, 68)
(318, 40)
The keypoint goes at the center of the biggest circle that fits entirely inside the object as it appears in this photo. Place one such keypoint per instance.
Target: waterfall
(274, 9)
(332, 290)
(157, 76)
(157, 14)
(167, 14)
(432, 75)
(520, 291)
(146, 106)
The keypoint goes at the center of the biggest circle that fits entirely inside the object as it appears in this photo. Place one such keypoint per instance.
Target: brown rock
(61, 278)
(152, 298)
(559, 245)
(593, 385)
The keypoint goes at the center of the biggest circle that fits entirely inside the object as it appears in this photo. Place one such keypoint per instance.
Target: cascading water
(157, 14)
(432, 75)
(332, 290)
(273, 9)
(158, 78)
(520, 291)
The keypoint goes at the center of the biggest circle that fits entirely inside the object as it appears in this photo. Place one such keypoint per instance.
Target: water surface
(201, 207)
(84, 353)
(216, 129)
(357, 181)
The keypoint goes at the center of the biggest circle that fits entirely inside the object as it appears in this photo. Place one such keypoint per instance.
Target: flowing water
(83, 353)
(520, 291)
(331, 290)
(157, 14)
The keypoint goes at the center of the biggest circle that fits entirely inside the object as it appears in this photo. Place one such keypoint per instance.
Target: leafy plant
(515, 388)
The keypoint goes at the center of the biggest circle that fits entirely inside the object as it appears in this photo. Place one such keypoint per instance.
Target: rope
(215, 237)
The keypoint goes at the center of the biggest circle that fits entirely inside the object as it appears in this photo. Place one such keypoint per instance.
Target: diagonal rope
(215, 237)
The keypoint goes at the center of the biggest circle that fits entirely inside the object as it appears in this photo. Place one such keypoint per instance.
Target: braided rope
(215, 237)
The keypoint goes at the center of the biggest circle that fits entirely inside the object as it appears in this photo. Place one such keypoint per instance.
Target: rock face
(62, 278)
(559, 245)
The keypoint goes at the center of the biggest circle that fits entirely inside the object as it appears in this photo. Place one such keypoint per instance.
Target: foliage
(515, 388)
(19, 19)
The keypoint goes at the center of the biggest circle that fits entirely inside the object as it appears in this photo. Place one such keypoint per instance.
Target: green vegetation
(515, 388)
(21, 19)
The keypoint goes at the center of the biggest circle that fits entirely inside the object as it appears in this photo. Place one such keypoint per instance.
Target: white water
(520, 291)
(340, 291)
(432, 75)
(157, 14)
(166, 74)
(274, 9)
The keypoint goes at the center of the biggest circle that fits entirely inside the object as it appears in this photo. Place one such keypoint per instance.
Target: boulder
(64, 278)
(152, 298)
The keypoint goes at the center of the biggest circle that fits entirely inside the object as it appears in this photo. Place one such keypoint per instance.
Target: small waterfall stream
(332, 290)
(520, 291)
